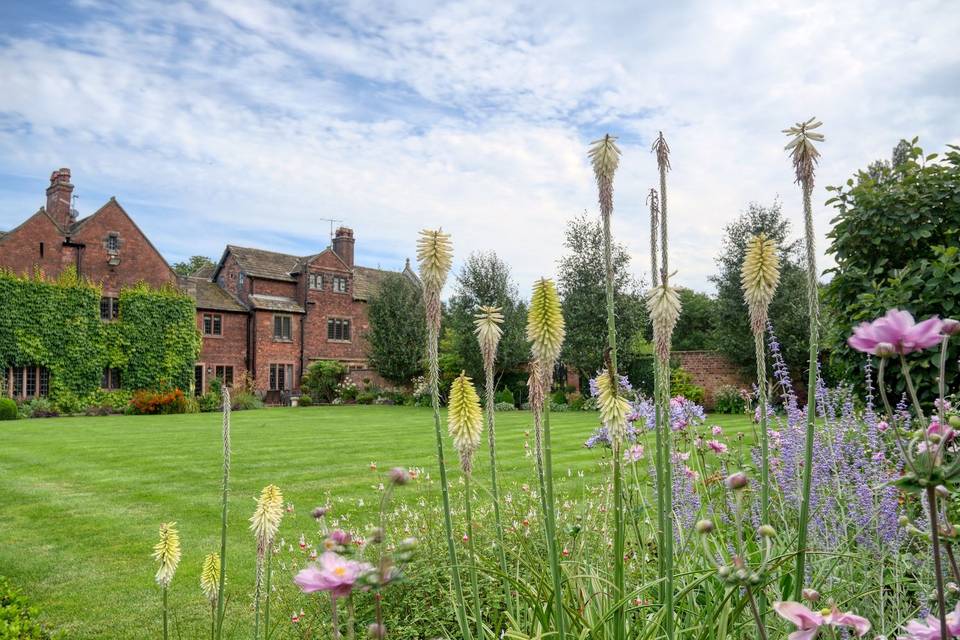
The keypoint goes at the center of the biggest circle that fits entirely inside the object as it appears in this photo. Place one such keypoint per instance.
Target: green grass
(82, 498)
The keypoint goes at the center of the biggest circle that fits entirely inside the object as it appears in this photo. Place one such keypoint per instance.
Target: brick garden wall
(711, 370)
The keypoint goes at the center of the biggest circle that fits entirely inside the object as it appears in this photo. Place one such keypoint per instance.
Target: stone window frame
(112, 309)
(340, 279)
(349, 327)
(315, 281)
(213, 333)
(110, 380)
(281, 336)
(19, 379)
(112, 243)
(222, 375)
(274, 371)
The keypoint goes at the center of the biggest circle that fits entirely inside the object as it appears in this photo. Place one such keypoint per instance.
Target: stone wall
(711, 370)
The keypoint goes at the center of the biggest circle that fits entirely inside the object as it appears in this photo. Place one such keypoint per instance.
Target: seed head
(802, 151)
(737, 481)
(759, 277)
(663, 305)
(464, 419)
(950, 327)
(266, 517)
(210, 577)
(399, 476)
(487, 322)
(766, 531)
(167, 553)
(613, 407)
(435, 255)
(545, 326)
(704, 526)
(662, 149)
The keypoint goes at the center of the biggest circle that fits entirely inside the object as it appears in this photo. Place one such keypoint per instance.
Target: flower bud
(766, 531)
(376, 631)
(955, 421)
(724, 571)
(942, 491)
(885, 350)
(319, 512)
(952, 587)
(376, 535)
(736, 481)
(903, 521)
(704, 526)
(399, 476)
(950, 327)
(811, 595)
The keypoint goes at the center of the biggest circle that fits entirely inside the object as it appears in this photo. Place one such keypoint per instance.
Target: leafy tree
(788, 312)
(582, 282)
(397, 329)
(191, 266)
(896, 242)
(484, 279)
(697, 322)
(322, 378)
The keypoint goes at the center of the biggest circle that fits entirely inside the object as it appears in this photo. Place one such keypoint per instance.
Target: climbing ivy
(56, 324)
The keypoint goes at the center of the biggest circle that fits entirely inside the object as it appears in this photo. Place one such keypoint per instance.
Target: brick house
(261, 313)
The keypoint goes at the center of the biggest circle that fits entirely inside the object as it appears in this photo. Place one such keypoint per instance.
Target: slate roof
(275, 303)
(209, 295)
(2, 233)
(265, 264)
(367, 281)
(206, 272)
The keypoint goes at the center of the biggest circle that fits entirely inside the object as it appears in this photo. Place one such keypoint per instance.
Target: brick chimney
(60, 197)
(343, 244)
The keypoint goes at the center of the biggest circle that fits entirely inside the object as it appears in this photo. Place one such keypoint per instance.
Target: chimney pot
(343, 242)
(60, 198)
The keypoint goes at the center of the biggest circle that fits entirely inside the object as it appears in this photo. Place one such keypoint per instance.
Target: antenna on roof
(74, 214)
(331, 221)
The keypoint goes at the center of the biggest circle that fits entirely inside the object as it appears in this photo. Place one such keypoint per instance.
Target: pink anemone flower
(809, 622)
(333, 573)
(899, 330)
(930, 629)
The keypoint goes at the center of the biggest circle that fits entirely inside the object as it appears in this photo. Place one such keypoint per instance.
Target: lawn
(82, 497)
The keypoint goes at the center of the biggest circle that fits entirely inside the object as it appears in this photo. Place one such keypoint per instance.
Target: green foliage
(18, 620)
(191, 266)
(788, 312)
(56, 324)
(576, 401)
(681, 384)
(582, 285)
(559, 397)
(504, 406)
(40, 408)
(305, 400)
(728, 399)
(8, 409)
(366, 397)
(210, 401)
(245, 400)
(504, 395)
(322, 379)
(694, 331)
(484, 279)
(397, 330)
(895, 241)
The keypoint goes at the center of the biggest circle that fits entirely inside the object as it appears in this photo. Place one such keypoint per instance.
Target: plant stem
(494, 485)
(351, 619)
(266, 608)
(813, 308)
(660, 469)
(334, 620)
(764, 440)
(225, 394)
(756, 615)
(551, 521)
(164, 613)
(474, 583)
(953, 562)
(434, 374)
(937, 569)
(213, 620)
(667, 493)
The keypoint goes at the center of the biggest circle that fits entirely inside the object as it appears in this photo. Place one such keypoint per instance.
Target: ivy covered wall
(56, 324)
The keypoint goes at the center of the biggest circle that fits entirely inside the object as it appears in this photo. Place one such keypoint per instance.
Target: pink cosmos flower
(634, 453)
(882, 426)
(717, 446)
(333, 573)
(899, 330)
(930, 629)
(809, 622)
(938, 429)
(716, 430)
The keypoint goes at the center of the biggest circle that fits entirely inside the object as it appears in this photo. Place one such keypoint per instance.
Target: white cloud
(246, 122)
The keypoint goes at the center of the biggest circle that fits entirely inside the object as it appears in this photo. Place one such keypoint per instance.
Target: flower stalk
(265, 523)
(225, 393)
(167, 553)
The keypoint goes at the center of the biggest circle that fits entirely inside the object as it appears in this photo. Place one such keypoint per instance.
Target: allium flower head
(487, 322)
(167, 553)
(266, 517)
(896, 330)
(802, 151)
(614, 408)
(464, 419)
(435, 255)
(759, 277)
(210, 577)
(663, 304)
(545, 325)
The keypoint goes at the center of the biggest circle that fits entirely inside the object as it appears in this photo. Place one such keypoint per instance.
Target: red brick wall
(711, 370)
(229, 276)
(228, 349)
(274, 288)
(329, 304)
(268, 351)
(20, 250)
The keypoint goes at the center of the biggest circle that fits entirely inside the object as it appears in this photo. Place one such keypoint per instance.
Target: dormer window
(113, 243)
(340, 284)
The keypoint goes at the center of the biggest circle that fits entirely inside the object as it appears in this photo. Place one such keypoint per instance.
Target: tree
(397, 330)
(191, 266)
(484, 279)
(582, 284)
(697, 321)
(788, 314)
(895, 243)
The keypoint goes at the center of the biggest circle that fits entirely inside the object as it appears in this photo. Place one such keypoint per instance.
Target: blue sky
(246, 122)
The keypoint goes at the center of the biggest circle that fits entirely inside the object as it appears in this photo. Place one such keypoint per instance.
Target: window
(212, 324)
(340, 284)
(281, 328)
(113, 243)
(109, 308)
(338, 329)
(41, 249)
(198, 380)
(281, 377)
(316, 281)
(28, 382)
(225, 374)
(240, 283)
(111, 379)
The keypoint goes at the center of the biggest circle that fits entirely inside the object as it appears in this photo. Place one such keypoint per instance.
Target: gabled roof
(275, 303)
(367, 281)
(39, 212)
(206, 271)
(209, 295)
(77, 226)
(263, 264)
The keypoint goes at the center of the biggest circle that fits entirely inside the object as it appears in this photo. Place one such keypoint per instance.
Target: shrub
(147, 402)
(8, 409)
(557, 407)
(322, 379)
(103, 403)
(244, 400)
(18, 620)
(681, 384)
(347, 392)
(67, 402)
(211, 401)
(589, 404)
(559, 397)
(729, 400)
(41, 408)
(575, 401)
(504, 406)
(366, 397)
(385, 399)
(305, 400)
(504, 395)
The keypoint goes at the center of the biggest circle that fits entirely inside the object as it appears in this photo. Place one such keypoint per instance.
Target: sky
(250, 123)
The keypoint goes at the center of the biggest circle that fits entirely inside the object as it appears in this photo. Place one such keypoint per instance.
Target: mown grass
(82, 498)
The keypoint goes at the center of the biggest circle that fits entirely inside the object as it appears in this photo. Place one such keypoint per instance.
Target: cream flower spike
(545, 325)
(265, 521)
(604, 156)
(759, 278)
(210, 577)
(435, 256)
(802, 150)
(464, 419)
(663, 305)
(487, 322)
(167, 553)
(614, 408)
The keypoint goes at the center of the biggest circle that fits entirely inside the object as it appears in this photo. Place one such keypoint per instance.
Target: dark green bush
(366, 397)
(211, 401)
(41, 408)
(559, 397)
(728, 399)
(305, 400)
(8, 409)
(681, 384)
(504, 395)
(575, 401)
(243, 400)
(504, 406)
(18, 620)
(322, 379)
